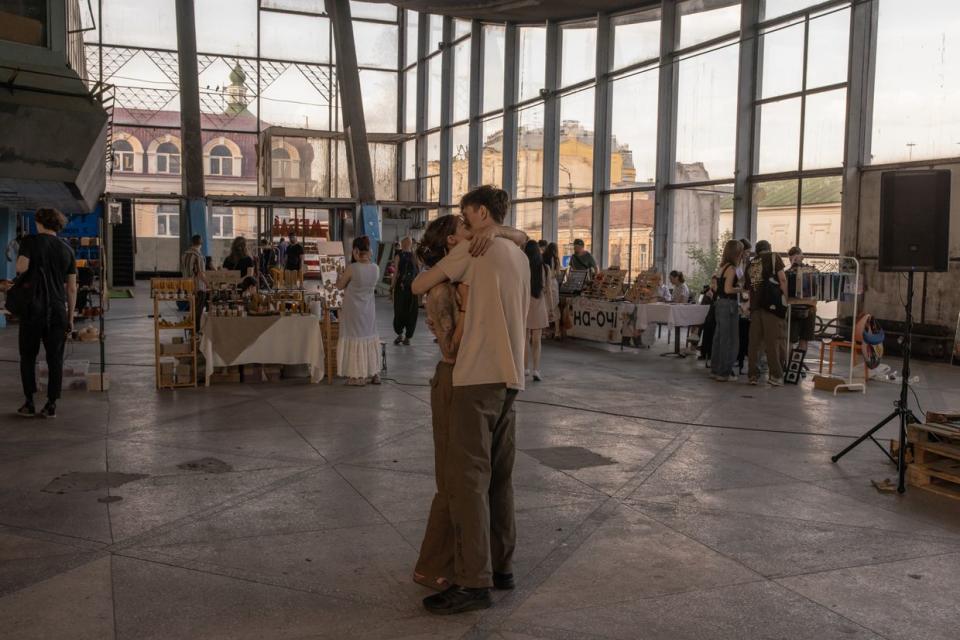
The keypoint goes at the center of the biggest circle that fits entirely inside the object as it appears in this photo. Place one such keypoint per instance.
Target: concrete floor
(713, 511)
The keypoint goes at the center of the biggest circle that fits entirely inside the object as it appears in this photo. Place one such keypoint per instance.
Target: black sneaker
(503, 581)
(458, 600)
(49, 411)
(398, 340)
(27, 410)
(406, 342)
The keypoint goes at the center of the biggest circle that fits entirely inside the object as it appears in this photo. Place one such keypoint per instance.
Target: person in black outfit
(239, 260)
(294, 259)
(405, 305)
(51, 318)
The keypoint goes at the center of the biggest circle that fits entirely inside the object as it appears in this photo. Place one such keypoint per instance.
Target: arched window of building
(221, 222)
(221, 161)
(168, 158)
(123, 155)
(283, 165)
(168, 220)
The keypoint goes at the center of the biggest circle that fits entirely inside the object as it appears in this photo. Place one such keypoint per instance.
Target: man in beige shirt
(486, 378)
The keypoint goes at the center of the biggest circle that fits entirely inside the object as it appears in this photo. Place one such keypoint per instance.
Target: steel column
(193, 218)
(666, 133)
(511, 71)
(351, 104)
(745, 164)
(446, 113)
(475, 170)
(863, 55)
(551, 132)
(602, 114)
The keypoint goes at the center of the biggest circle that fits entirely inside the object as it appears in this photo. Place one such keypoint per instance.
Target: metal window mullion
(860, 80)
(446, 113)
(666, 131)
(748, 124)
(601, 142)
(551, 131)
(803, 122)
(423, 83)
(475, 164)
(510, 73)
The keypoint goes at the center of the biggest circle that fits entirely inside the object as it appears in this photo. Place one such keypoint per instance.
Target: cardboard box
(171, 349)
(827, 383)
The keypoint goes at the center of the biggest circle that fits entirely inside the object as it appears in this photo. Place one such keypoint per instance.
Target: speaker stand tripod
(902, 410)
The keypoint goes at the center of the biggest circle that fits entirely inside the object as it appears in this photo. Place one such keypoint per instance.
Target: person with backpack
(406, 307)
(43, 299)
(766, 283)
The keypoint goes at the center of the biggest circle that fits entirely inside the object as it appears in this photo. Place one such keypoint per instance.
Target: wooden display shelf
(184, 287)
(936, 459)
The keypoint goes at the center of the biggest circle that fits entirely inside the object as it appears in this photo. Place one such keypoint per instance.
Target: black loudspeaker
(914, 220)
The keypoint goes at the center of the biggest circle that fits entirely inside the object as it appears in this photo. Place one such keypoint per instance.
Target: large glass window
(411, 36)
(433, 91)
(410, 100)
(123, 156)
(461, 81)
(578, 59)
(701, 21)
(492, 157)
(285, 36)
(916, 95)
(221, 222)
(809, 58)
(383, 158)
(493, 54)
(376, 44)
(707, 115)
(529, 218)
(636, 38)
(530, 152)
(410, 160)
(631, 232)
(574, 221)
(533, 60)
(436, 33)
(694, 230)
(633, 145)
(379, 90)
(775, 210)
(430, 183)
(460, 161)
(373, 10)
(576, 142)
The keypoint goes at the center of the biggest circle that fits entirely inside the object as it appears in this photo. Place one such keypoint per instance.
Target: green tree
(707, 261)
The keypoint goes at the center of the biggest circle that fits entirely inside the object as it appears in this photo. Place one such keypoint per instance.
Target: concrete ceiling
(521, 10)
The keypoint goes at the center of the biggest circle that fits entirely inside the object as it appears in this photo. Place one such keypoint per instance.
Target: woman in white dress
(358, 348)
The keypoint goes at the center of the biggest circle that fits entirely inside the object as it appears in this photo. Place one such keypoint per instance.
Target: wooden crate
(331, 335)
(936, 459)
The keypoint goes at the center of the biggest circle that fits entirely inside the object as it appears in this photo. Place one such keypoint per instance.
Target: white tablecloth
(601, 321)
(672, 315)
(289, 340)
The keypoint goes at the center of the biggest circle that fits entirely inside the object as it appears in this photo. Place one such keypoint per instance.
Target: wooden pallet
(936, 459)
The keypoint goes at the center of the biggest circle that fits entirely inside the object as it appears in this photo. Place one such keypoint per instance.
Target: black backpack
(27, 298)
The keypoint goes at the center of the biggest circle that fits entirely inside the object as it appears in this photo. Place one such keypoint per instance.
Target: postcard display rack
(836, 282)
(176, 358)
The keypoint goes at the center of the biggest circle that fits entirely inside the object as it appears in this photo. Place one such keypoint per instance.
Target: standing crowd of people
(747, 321)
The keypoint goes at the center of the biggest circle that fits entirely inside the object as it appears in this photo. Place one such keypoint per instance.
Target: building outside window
(168, 221)
(168, 158)
(221, 222)
(221, 161)
(123, 156)
(283, 166)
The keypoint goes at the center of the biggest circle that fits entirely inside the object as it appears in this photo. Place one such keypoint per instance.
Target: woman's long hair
(238, 250)
(731, 253)
(536, 268)
(551, 256)
(433, 244)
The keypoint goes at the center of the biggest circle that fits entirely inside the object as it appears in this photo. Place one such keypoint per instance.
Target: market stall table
(674, 316)
(293, 339)
(601, 320)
